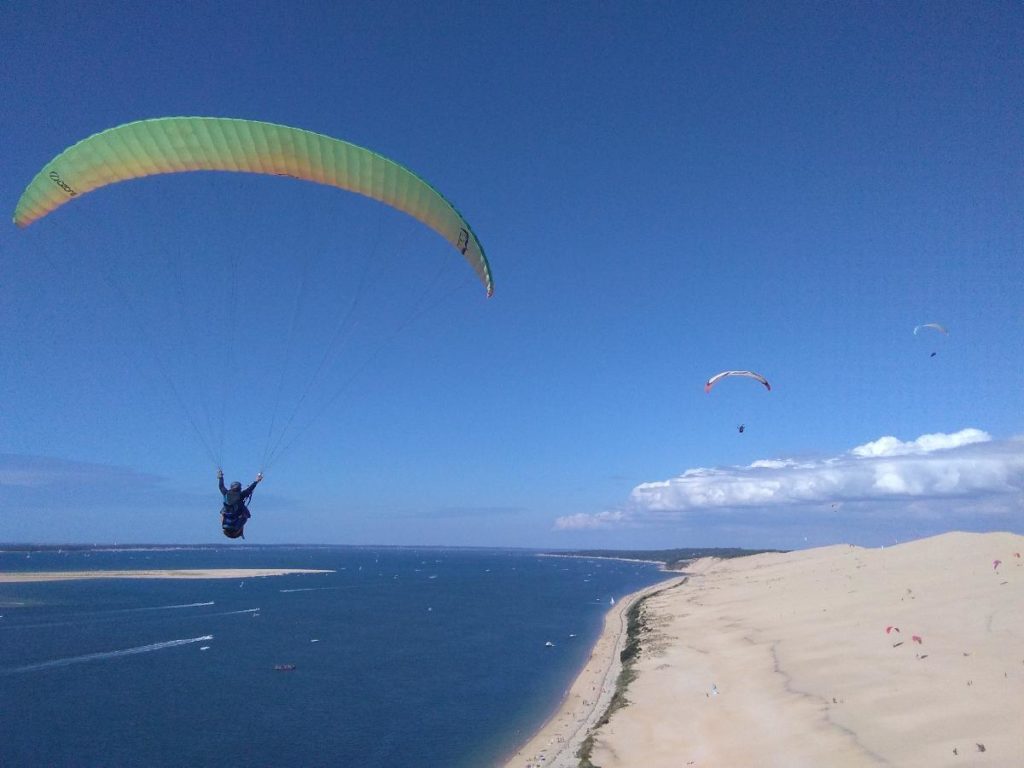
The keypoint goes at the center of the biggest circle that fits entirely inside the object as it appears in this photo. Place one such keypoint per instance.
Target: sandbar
(200, 573)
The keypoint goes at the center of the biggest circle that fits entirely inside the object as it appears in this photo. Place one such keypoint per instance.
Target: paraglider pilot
(234, 514)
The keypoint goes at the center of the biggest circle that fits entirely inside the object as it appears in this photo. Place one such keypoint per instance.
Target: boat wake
(171, 607)
(66, 662)
(115, 614)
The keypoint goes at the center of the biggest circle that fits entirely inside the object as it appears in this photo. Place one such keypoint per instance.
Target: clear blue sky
(664, 191)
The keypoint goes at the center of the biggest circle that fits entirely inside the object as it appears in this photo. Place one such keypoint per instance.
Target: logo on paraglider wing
(62, 184)
(463, 243)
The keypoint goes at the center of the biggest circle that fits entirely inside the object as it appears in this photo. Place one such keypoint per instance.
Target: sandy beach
(911, 655)
(204, 573)
(557, 742)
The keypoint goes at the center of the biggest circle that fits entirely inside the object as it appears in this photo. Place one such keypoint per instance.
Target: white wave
(105, 655)
(170, 607)
(115, 614)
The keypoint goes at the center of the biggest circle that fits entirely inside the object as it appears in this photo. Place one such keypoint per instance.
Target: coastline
(605, 557)
(558, 740)
(25, 577)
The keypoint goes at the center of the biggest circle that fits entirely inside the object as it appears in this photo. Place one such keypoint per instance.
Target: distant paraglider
(740, 428)
(933, 327)
(894, 634)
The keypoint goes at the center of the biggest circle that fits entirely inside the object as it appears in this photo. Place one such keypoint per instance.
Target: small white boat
(549, 644)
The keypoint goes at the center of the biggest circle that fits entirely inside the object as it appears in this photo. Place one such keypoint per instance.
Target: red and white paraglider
(741, 428)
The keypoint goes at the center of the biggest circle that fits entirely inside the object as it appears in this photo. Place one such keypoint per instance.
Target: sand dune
(784, 660)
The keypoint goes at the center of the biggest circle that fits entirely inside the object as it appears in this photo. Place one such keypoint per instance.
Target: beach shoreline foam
(25, 577)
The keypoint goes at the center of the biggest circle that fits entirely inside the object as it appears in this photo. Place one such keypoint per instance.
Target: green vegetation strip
(674, 559)
(635, 630)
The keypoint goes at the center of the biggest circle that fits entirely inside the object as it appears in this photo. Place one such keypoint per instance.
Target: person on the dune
(235, 514)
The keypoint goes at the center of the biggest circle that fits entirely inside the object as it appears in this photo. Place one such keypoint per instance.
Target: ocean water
(403, 657)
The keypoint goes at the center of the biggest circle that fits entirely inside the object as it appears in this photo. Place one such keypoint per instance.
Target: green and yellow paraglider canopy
(178, 144)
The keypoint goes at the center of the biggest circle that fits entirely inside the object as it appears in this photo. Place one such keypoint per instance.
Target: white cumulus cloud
(933, 473)
(891, 446)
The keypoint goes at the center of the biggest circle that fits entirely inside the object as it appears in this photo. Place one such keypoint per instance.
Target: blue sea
(402, 657)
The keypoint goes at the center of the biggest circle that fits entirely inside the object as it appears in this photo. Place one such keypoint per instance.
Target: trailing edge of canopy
(179, 144)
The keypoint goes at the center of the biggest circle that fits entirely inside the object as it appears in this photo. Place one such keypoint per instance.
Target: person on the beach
(235, 514)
